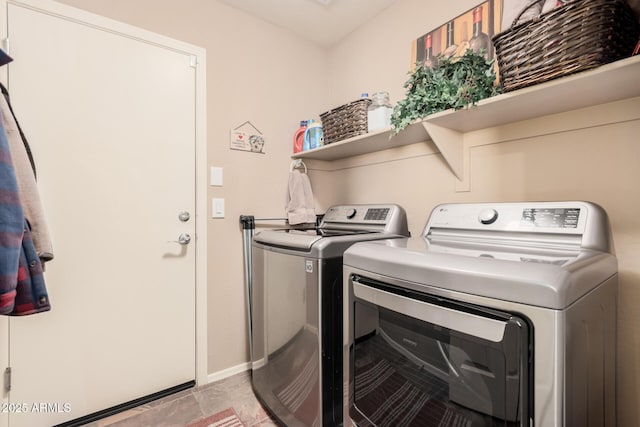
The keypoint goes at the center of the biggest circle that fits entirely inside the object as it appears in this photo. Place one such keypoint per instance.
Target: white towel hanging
(299, 203)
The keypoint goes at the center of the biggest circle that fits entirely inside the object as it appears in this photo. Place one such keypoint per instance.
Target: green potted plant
(455, 82)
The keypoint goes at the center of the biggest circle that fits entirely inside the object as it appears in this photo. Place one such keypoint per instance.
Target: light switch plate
(216, 176)
(217, 207)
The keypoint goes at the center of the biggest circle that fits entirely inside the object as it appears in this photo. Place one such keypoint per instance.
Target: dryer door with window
(422, 360)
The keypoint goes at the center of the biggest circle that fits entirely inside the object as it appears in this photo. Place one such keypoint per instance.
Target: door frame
(198, 56)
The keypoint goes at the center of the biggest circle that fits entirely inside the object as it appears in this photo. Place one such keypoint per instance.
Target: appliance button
(351, 213)
(488, 216)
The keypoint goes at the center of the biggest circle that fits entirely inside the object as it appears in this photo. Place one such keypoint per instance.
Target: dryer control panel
(572, 223)
(564, 217)
(550, 217)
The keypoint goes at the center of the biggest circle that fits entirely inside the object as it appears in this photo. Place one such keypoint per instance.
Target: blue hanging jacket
(11, 227)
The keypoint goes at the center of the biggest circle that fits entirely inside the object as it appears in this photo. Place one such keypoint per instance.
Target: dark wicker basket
(577, 36)
(346, 121)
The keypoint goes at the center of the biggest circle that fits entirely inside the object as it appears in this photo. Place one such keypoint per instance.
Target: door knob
(184, 239)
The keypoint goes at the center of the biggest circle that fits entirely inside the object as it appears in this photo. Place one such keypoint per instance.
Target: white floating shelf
(368, 143)
(608, 83)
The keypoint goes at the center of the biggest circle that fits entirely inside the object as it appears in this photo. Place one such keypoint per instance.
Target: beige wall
(590, 154)
(258, 72)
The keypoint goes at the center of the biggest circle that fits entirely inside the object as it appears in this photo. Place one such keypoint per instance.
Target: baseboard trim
(226, 373)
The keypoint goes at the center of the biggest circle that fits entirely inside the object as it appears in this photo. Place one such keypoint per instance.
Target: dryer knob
(488, 216)
(351, 213)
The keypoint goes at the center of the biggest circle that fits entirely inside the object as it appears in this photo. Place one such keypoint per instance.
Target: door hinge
(193, 61)
(7, 379)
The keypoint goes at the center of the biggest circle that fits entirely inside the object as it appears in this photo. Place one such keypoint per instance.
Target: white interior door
(111, 122)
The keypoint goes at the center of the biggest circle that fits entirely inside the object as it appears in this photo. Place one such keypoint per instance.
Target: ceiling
(324, 22)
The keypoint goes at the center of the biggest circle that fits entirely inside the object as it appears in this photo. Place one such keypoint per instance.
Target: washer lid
(297, 239)
(301, 238)
(545, 278)
(341, 226)
(310, 245)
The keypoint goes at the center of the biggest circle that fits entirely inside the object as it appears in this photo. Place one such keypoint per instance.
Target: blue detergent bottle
(313, 136)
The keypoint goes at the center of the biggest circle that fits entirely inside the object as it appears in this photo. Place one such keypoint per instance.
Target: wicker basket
(577, 36)
(346, 121)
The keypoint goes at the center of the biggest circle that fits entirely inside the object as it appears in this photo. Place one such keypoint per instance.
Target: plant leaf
(454, 83)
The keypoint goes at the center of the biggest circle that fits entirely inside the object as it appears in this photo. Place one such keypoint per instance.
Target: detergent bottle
(379, 112)
(298, 137)
(313, 135)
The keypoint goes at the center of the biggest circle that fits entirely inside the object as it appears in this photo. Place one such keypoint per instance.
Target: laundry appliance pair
(497, 314)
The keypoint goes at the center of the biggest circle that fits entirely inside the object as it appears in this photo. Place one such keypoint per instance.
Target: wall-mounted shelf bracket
(450, 142)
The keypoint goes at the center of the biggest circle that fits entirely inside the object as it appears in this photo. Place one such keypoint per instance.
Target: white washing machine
(500, 314)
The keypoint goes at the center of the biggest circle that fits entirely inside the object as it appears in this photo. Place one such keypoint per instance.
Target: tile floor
(189, 406)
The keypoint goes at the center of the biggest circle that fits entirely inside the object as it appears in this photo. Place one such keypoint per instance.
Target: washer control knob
(488, 216)
(351, 213)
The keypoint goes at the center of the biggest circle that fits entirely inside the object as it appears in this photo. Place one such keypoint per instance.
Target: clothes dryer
(500, 314)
